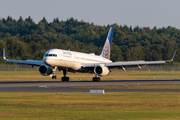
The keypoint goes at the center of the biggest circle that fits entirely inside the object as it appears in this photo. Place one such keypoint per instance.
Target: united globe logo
(106, 50)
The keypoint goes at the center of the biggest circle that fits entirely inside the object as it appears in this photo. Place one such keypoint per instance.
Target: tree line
(25, 39)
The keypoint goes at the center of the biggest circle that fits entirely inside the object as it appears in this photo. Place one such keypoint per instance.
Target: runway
(58, 86)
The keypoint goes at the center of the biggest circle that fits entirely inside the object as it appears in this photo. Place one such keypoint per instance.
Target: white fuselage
(71, 59)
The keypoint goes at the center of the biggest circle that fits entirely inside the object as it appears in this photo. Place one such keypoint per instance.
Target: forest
(25, 39)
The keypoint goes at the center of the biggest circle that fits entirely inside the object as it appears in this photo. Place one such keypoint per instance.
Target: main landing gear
(64, 79)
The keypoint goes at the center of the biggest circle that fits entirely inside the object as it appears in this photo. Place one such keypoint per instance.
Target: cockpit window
(54, 55)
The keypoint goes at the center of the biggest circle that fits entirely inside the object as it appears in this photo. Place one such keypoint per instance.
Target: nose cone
(50, 56)
(46, 60)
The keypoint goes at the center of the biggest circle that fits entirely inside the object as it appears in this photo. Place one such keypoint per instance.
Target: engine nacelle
(45, 70)
(101, 70)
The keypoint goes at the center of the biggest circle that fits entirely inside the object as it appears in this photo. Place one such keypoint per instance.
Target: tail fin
(107, 46)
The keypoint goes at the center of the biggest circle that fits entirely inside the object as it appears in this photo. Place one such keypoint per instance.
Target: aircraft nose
(46, 60)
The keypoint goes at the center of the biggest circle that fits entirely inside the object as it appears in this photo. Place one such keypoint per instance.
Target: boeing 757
(71, 61)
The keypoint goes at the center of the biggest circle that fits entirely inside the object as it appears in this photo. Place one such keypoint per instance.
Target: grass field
(136, 106)
(122, 106)
(114, 75)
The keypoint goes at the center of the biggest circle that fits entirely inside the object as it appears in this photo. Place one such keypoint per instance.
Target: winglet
(172, 57)
(4, 56)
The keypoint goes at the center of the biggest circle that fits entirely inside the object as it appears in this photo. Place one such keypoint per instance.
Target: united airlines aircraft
(71, 61)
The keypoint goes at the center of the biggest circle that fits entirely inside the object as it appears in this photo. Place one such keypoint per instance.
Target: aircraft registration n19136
(71, 61)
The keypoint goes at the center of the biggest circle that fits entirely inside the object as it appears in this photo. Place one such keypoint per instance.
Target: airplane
(72, 61)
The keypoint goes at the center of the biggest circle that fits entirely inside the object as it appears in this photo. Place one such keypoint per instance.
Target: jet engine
(101, 70)
(45, 70)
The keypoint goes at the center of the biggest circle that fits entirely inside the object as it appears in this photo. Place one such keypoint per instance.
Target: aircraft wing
(132, 64)
(124, 65)
(29, 62)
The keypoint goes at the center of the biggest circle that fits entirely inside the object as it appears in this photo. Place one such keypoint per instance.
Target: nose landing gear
(96, 79)
(54, 70)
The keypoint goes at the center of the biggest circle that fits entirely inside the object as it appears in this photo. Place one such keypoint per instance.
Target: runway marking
(43, 86)
(58, 86)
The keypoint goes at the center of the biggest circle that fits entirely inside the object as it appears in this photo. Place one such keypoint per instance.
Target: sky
(144, 13)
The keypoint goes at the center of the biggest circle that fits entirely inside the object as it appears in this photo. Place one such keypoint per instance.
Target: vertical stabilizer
(107, 46)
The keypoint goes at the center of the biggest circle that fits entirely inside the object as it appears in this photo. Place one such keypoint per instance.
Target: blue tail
(107, 46)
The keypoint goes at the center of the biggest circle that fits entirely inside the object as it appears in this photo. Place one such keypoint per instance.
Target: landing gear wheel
(65, 79)
(96, 79)
(54, 77)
